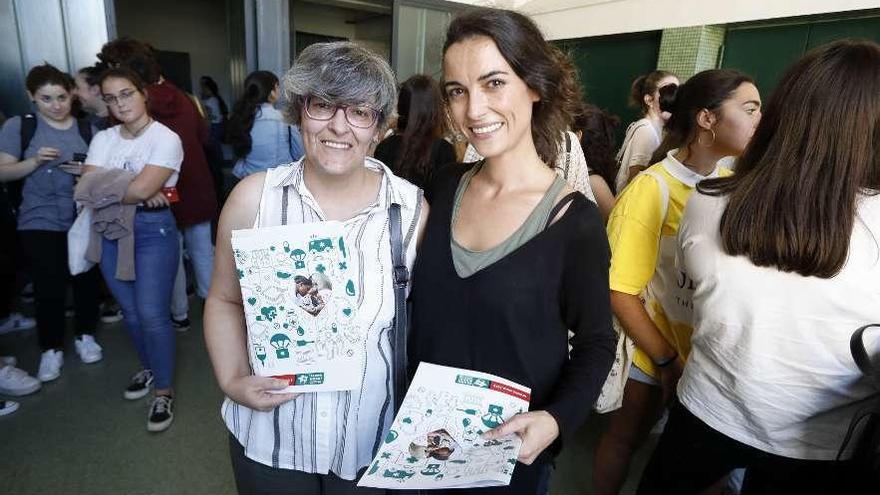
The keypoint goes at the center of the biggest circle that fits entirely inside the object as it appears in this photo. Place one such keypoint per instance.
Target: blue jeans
(145, 302)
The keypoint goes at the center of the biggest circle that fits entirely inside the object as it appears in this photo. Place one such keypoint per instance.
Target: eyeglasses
(124, 96)
(361, 116)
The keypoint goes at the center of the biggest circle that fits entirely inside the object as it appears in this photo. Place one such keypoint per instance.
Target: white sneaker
(89, 350)
(50, 365)
(16, 322)
(16, 382)
(8, 407)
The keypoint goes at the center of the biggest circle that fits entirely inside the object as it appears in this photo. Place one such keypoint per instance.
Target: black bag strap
(28, 129)
(401, 280)
(567, 156)
(85, 130)
(860, 354)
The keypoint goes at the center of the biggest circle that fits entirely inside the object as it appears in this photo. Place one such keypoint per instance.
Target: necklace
(141, 129)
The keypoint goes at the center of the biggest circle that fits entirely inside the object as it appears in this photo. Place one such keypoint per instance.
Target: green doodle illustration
(240, 274)
(407, 421)
(431, 470)
(320, 268)
(346, 311)
(493, 418)
(374, 468)
(320, 245)
(267, 313)
(343, 265)
(252, 300)
(412, 460)
(299, 258)
(470, 412)
(261, 354)
(342, 248)
(398, 474)
(303, 343)
(282, 275)
(349, 288)
(300, 331)
(391, 436)
(280, 342)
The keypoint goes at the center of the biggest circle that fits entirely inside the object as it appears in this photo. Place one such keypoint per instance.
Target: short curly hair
(340, 72)
(544, 68)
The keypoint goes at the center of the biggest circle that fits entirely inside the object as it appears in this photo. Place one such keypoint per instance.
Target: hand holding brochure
(300, 304)
(435, 440)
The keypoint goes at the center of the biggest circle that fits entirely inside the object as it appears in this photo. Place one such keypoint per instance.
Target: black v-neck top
(512, 317)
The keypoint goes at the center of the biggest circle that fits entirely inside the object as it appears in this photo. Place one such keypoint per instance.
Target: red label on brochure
(507, 389)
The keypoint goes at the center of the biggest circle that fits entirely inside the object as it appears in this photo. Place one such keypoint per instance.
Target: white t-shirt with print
(158, 145)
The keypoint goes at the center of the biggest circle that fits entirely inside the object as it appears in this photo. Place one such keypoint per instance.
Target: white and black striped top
(336, 431)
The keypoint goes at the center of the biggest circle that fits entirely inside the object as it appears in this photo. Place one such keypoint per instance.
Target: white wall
(561, 19)
(197, 27)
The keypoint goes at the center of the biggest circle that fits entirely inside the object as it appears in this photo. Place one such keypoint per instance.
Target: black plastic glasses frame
(345, 111)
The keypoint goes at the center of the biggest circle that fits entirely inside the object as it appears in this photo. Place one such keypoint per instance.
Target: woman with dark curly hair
(513, 258)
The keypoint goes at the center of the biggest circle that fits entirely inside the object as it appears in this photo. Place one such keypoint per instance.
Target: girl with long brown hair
(783, 257)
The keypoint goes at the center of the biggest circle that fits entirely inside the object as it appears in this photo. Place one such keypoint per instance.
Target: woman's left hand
(537, 429)
(158, 200)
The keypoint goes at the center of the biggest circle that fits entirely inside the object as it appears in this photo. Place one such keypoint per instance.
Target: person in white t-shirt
(643, 136)
(153, 152)
(784, 259)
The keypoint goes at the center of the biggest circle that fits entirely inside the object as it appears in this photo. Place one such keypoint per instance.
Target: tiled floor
(79, 436)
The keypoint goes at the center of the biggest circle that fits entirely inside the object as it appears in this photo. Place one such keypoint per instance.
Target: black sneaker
(111, 315)
(140, 385)
(161, 413)
(180, 325)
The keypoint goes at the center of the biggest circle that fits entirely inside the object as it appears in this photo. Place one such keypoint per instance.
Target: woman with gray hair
(341, 95)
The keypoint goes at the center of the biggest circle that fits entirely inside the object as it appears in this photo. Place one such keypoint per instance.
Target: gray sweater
(103, 190)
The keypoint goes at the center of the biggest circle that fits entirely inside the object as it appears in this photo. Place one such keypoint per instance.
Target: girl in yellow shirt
(713, 116)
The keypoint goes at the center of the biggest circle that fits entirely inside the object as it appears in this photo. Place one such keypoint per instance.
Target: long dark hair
(420, 123)
(706, 90)
(598, 141)
(211, 84)
(257, 87)
(644, 85)
(543, 67)
(792, 202)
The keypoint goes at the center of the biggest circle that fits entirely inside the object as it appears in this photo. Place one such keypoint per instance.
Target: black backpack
(866, 455)
(10, 194)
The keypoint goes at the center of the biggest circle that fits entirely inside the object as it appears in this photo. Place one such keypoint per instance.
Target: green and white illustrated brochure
(435, 441)
(300, 301)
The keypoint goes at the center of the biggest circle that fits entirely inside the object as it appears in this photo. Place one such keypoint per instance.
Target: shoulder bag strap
(860, 354)
(401, 279)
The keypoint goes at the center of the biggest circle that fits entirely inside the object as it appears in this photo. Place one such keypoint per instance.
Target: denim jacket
(274, 142)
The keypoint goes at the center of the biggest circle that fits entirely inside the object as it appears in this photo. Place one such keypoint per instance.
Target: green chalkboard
(607, 66)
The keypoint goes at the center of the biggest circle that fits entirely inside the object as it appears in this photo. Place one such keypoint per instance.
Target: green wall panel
(765, 52)
(607, 66)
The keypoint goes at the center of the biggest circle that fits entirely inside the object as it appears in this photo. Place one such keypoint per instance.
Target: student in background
(47, 212)
(197, 206)
(88, 91)
(594, 128)
(259, 136)
(715, 114)
(154, 153)
(783, 258)
(644, 135)
(417, 147)
(215, 107)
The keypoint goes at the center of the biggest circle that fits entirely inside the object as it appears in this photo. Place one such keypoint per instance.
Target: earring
(700, 139)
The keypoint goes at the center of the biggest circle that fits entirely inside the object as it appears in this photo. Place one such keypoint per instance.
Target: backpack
(12, 190)
(866, 454)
